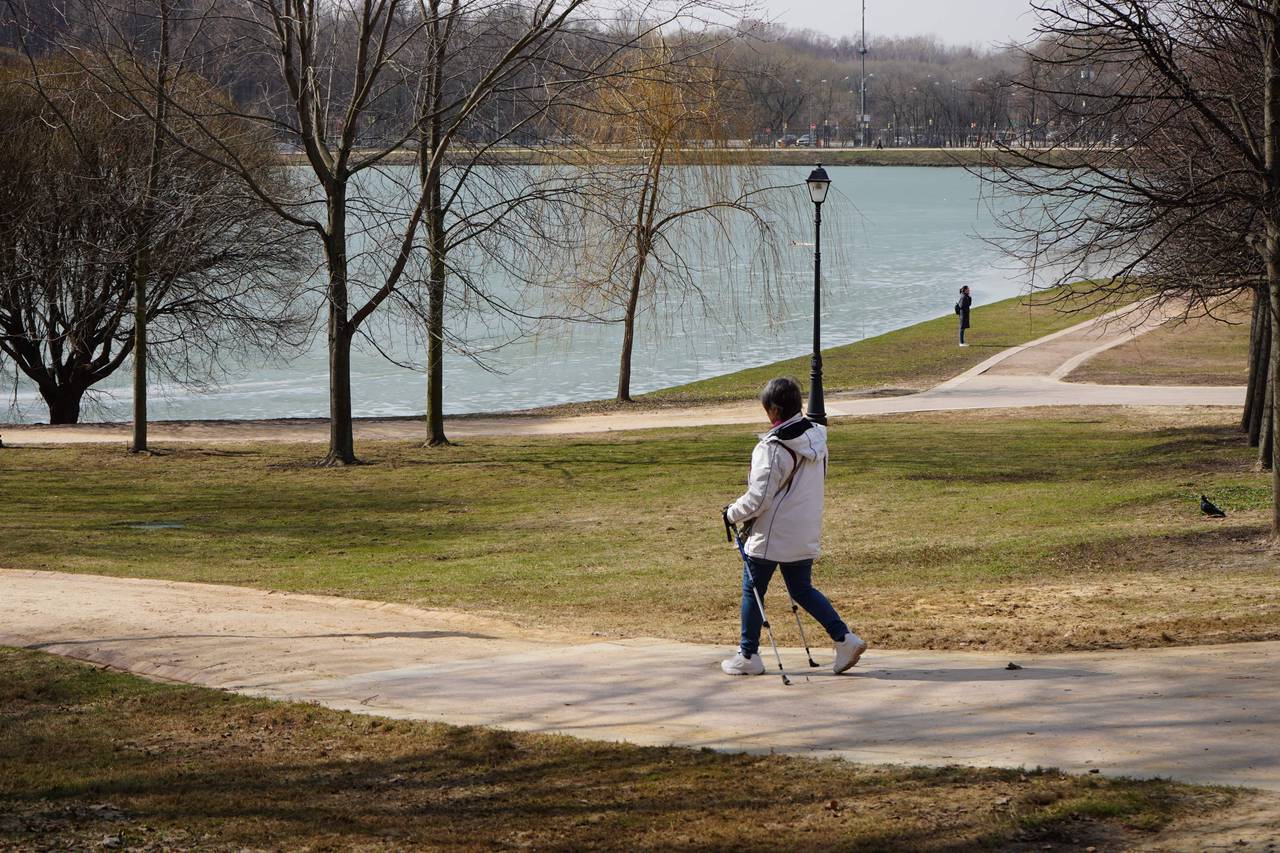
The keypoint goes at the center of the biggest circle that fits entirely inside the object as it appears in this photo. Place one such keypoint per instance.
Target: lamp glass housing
(818, 182)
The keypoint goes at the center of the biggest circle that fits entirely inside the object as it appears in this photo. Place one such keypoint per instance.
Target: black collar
(793, 430)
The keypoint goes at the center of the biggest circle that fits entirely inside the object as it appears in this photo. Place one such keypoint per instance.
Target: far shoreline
(892, 384)
(567, 409)
(923, 157)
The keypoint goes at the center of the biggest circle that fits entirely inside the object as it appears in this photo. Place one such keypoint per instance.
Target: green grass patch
(1039, 530)
(92, 758)
(909, 359)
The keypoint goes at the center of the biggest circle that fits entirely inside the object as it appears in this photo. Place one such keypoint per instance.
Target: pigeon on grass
(1208, 508)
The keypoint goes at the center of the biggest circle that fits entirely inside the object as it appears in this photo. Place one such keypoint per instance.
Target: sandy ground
(1251, 826)
(1024, 376)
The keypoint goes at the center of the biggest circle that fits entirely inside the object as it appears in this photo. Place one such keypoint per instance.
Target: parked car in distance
(785, 141)
(805, 141)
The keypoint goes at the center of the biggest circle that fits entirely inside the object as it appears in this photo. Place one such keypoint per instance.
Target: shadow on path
(372, 635)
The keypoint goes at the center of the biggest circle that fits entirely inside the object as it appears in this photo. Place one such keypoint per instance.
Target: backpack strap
(795, 466)
(782, 490)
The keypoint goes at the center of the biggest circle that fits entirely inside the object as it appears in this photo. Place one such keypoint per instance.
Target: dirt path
(1019, 377)
(1204, 714)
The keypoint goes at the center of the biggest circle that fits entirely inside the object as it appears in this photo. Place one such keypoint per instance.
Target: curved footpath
(1020, 377)
(1204, 714)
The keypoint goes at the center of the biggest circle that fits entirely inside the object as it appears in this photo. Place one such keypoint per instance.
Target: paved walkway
(1032, 374)
(1023, 376)
(1204, 714)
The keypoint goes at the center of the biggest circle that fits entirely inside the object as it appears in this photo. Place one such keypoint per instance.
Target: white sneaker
(848, 651)
(739, 665)
(964, 345)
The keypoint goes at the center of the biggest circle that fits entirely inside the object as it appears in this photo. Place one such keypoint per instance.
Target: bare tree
(332, 72)
(342, 76)
(88, 208)
(146, 226)
(1178, 105)
(476, 59)
(496, 78)
(658, 134)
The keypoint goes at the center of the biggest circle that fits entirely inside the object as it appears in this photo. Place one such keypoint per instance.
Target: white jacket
(784, 492)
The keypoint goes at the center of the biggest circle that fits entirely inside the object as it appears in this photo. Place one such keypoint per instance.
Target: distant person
(879, 145)
(962, 311)
(782, 510)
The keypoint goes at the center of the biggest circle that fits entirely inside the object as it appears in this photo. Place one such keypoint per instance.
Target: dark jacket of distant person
(962, 307)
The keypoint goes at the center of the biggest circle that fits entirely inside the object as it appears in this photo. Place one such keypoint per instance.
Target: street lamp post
(862, 103)
(818, 184)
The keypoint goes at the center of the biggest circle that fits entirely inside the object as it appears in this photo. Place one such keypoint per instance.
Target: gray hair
(782, 394)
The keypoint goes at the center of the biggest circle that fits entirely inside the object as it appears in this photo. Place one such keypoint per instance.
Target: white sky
(983, 22)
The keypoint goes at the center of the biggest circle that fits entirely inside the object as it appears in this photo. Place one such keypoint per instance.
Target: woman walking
(783, 509)
(962, 310)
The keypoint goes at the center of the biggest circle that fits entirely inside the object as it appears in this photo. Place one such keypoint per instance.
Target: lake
(897, 244)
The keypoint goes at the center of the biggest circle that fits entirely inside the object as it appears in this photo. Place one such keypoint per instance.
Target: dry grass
(1199, 351)
(96, 759)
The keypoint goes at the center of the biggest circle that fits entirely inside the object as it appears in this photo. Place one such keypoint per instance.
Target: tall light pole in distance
(862, 106)
(819, 183)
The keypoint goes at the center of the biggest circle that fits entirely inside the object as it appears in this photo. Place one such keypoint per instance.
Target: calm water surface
(896, 247)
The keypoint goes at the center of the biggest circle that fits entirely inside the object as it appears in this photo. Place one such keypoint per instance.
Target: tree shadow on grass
(1172, 551)
(1179, 443)
(483, 788)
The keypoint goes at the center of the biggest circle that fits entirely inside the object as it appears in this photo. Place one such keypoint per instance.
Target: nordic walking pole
(731, 530)
(795, 610)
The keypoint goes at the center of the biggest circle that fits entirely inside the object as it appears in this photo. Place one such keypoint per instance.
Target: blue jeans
(798, 578)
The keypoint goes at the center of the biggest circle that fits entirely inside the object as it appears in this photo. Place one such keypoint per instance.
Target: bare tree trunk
(1257, 362)
(141, 273)
(1266, 441)
(142, 268)
(629, 332)
(63, 403)
(342, 449)
(1262, 381)
(1270, 437)
(430, 164)
(644, 242)
(1271, 118)
(435, 327)
(341, 438)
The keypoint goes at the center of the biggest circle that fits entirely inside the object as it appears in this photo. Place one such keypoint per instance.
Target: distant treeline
(790, 85)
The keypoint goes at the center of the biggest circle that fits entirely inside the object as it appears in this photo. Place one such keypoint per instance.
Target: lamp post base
(817, 409)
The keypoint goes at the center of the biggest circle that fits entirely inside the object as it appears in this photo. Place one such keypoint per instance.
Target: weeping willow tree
(662, 210)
